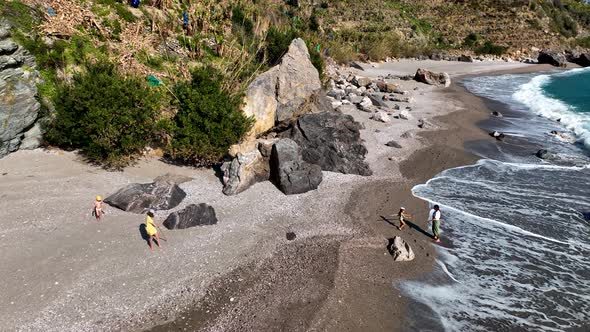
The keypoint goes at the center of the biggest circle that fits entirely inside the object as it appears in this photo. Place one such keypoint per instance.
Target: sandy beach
(63, 271)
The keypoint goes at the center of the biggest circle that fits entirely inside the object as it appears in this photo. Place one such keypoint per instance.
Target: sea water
(516, 248)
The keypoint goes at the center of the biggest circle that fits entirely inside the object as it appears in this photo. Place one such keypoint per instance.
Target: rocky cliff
(19, 108)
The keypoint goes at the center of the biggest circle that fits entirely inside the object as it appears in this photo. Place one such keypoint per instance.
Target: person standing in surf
(434, 216)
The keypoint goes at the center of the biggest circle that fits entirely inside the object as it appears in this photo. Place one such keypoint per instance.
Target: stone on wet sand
(139, 197)
(191, 216)
(400, 250)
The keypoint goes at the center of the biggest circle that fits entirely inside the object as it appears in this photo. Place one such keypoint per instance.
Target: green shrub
(277, 44)
(583, 42)
(208, 121)
(490, 48)
(471, 40)
(108, 117)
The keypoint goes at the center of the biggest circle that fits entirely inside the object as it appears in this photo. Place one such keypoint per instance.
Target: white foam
(531, 94)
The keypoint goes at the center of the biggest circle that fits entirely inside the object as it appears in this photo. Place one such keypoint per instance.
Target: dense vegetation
(110, 118)
(208, 120)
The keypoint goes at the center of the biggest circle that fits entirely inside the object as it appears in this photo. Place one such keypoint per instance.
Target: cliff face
(19, 108)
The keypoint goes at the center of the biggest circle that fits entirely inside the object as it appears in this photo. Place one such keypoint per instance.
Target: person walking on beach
(151, 228)
(402, 215)
(97, 209)
(434, 216)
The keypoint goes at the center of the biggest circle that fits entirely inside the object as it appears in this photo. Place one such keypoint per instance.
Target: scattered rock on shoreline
(393, 144)
(381, 116)
(498, 135)
(546, 155)
(400, 250)
(497, 114)
(138, 197)
(191, 216)
(432, 78)
(564, 137)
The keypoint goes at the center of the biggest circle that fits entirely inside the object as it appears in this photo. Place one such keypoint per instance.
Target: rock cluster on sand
(191, 216)
(400, 250)
(19, 108)
(432, 78)
(288, 170)
(139, 197)
(553, 58)
(581, 59)
(277, 95)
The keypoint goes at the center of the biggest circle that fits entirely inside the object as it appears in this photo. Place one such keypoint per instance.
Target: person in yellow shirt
(151, 229)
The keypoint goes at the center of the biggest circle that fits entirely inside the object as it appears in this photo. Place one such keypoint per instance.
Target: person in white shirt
(434, 216)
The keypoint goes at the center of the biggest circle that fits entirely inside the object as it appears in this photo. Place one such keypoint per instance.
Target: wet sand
(62, 271)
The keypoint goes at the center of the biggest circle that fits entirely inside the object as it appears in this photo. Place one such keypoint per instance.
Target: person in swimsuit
(97, 210)
(402, 215)
(434, 216)
(151, 229)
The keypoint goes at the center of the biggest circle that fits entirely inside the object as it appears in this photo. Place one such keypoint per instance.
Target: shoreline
(336, 271)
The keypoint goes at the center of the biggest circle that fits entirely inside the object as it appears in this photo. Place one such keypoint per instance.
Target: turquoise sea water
(516, 228)
(573, 89)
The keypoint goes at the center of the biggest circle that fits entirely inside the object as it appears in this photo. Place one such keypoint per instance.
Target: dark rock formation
(497, 114)
(544, 154)
(552, 57)
(465, 58)
(191, 216)
(291, 236)
(498, 135)
(332, 141)
(138, 197)
(290, 173)
(19, 108)
(432, 78)
(581, 59)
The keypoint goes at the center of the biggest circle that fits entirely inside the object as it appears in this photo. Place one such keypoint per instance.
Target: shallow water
(517, 245)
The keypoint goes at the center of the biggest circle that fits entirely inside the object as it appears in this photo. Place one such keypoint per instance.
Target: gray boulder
(191, 216)
(138, 197)
(400, 250)
(546, 155)
(332, 141)
(278, 94)
(377, 101)
(552, 57)
(298, 79)
(290, 173)
(361, 81)
(387, 87)
(432, 78)
(243, 171)
(19, 108)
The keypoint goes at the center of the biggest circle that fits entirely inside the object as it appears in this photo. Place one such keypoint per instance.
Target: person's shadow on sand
(410, 224)
(144, 234)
